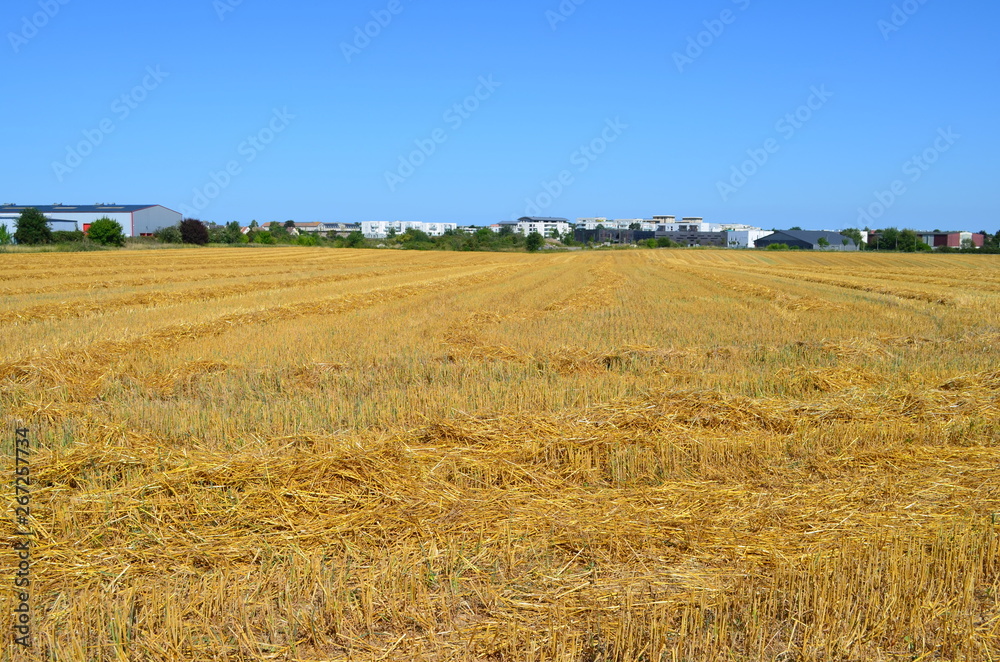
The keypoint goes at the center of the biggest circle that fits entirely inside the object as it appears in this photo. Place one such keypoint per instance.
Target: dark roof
(76, 209)
(808, 236)
(542, 219)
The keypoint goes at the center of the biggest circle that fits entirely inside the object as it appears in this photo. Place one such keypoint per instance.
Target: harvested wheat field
(648, 455)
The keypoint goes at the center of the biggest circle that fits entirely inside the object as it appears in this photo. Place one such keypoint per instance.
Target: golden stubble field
(311, 454)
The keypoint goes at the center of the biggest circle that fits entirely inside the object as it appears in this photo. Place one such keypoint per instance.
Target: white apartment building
(615, 223)
(543, 226)
(692, 224)
(591, 222)
(380, 229)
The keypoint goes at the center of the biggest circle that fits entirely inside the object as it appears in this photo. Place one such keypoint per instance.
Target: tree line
(32, 229)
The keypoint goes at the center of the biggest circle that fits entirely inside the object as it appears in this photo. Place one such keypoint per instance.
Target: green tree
(194, 231)
(887, 240)
(5, 236)
(278, 231)
(635, 226)
(232, 234)
(106, 232)
(795, 228)
(534, 242)
(854, 234)
(414, 238)
(910, 241)
(33, 228)
(823, 242)
(354, 240)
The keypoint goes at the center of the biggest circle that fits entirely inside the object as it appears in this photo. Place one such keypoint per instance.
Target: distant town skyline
(832, 116)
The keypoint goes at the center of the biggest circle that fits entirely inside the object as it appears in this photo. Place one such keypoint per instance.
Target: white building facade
(670, 224)
(745, 238)
(547, 227)
(380, 229)
(615, 223)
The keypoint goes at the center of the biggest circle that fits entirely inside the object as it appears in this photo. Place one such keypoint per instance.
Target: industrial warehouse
(136, 220)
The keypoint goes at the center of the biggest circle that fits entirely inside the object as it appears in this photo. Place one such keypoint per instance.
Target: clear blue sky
(600, 73)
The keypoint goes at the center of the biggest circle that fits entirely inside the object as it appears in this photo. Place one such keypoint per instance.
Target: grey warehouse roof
(76, 209)
(811, 236)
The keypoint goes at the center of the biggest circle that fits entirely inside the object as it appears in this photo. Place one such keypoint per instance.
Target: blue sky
(742, 111)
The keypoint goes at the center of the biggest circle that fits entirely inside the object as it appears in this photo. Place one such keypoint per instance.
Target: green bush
(106, 232)
(5, 236)
(777, 247)
(168, 235)
(67, 236)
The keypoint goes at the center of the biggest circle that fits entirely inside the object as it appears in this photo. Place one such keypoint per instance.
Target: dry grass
(308, 454)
